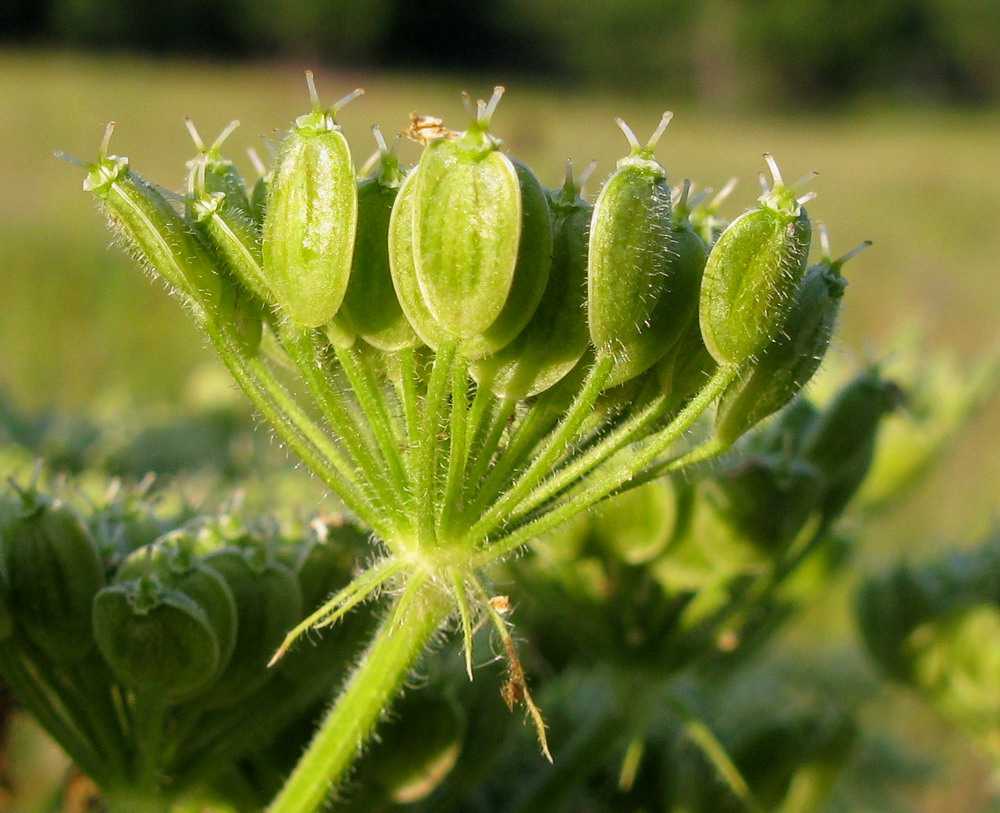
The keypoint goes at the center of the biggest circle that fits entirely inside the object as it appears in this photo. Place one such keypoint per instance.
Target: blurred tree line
(777, 51)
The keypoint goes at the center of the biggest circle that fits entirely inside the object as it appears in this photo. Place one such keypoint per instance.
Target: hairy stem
(408, 628)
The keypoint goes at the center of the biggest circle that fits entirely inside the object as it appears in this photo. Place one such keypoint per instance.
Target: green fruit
(638, 298)
(371, 308)
(157, 641)
(268, 604)
(466, 228)
(150, 227)
(752, 275)
(789, 361)
(53, 570)
(311, 218)
(555, 338)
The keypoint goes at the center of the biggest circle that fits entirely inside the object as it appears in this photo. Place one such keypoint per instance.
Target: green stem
(427, 455)
(150, 715)
(531, 430)
(295, 427)
(409, 398)
(31, 689)
(699, 454)
(606, 484)
(412, 621)
(372, 401)
(303, 346)
(580, 466)
(458, 455)
(483, 453)
(554, 446)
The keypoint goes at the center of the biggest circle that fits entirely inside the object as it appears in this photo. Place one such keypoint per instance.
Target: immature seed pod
(156, 641)
(171, 561)
(687, 365)
(311, 218)
(157, 235)
(531, 272)
(268, 604)
(753, 272)
(229, 231)
(767, 499)
(841, 443)
(53, 570)
(466, 223)
(638, 299)
(556, 337)
(371, 308)
(402, 264)
(793, 356)
(219, 174)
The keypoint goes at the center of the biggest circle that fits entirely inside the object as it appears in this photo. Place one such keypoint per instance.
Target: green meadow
(83, 329)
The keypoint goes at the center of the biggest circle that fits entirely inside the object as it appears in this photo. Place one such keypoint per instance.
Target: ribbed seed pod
(753, 273)
(792, 357)
(52, 571)
(151, 228)
(311, 218)
(172, 563)
(531, 272)
(555, 338)
(268, 604)
(637, 299)
(228, 230)
(402, 264)
(687, 365)
(466, 223)
(371, 308)
(157, 641)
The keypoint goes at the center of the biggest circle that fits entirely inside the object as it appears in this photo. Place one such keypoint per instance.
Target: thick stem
(403, 636)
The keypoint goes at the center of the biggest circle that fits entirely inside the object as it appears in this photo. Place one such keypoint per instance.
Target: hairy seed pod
(311, 218)
(219, 174)
(402, 264)
(157, 641)
(370, 308)
(52, 569)
(638, 300)
(793, 356)
(753, 273)
(229, 231)
(466, 227)
(157, 235)
(555, 338)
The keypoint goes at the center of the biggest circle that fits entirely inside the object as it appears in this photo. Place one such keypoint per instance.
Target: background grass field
(80, 328)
